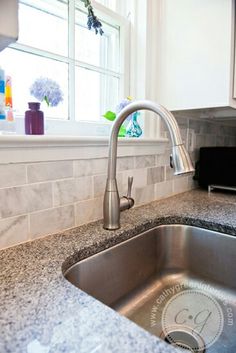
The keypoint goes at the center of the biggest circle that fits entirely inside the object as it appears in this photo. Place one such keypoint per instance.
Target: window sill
(17, 148)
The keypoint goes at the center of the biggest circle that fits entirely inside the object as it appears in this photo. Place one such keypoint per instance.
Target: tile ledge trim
(24, 149)
(49, 140)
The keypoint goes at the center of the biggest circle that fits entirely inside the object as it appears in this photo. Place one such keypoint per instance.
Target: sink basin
(176, 281)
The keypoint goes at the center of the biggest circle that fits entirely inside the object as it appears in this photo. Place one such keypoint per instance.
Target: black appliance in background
(216, 165)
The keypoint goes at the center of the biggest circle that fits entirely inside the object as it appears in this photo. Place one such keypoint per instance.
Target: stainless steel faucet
(179, 160)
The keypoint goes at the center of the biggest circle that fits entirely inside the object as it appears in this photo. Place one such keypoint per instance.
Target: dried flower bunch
(93, 21)
(45, 89)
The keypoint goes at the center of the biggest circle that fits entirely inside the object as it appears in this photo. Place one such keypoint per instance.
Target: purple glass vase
(34, 120)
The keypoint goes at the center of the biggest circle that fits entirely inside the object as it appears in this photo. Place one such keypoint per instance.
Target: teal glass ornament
(133, 128)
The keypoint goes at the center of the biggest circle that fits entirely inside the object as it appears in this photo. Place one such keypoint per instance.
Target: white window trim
(17, 149)
(144, 53)
(29, 149)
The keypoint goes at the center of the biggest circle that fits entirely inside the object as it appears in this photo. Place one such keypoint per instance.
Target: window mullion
(71, 40)
(39, 52)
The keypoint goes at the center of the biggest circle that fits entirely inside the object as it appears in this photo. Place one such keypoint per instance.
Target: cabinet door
(8, 22)
(195, 48)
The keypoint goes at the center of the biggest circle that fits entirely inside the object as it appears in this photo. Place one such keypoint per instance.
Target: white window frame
(18, 149)
(70, 125)
(136, 66)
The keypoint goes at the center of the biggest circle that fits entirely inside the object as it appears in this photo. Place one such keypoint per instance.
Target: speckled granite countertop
(43, 313)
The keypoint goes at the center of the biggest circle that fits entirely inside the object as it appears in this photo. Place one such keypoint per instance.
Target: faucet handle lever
(130, 183)
(127, 201)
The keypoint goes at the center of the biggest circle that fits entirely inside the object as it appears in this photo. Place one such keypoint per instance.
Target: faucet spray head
(180, 160)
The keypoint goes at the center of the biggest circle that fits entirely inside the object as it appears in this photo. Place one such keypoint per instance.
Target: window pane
(102, 51)
(24, 69)
(43, 24)
(95, 93)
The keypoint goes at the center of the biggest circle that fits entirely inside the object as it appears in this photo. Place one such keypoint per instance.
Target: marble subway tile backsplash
(51, 221)
(155, 175)
(25, 199)
(12, 175)
(43, 198)
(72, 190)
(88, 210)
(85, 167)
(13, 230)
(145, 161)
(67, 194)
(49, 171)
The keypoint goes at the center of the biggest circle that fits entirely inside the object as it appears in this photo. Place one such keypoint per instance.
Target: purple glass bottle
(34, 120)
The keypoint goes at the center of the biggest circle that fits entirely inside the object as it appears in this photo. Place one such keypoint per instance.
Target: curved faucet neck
(131, 108)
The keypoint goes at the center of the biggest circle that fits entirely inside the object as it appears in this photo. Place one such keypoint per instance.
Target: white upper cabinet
(8, 22)
(195, 60)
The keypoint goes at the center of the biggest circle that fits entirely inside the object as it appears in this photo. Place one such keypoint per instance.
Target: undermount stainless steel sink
(177, 282)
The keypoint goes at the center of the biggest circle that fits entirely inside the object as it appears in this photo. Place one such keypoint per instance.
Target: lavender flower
(93, 21)
(46, 89)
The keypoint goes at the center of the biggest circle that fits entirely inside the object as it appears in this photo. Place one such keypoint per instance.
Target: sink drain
(184, 338)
